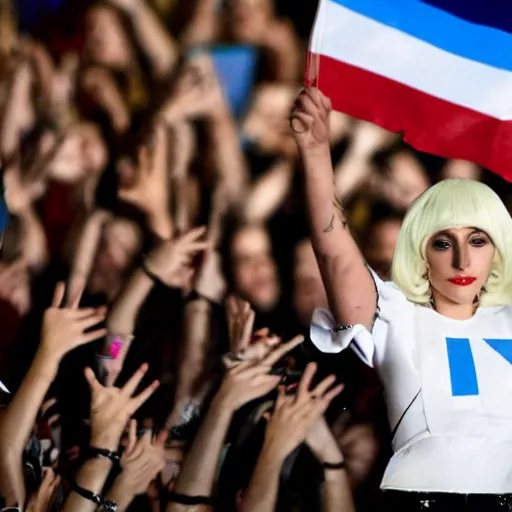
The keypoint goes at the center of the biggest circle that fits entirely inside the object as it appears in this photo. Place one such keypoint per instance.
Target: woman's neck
(453, 310)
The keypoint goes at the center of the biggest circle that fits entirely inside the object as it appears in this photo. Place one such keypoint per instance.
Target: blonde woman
(440, 335)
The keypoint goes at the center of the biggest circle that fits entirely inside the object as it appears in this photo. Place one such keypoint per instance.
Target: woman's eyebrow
(442, 233)
(476, 230)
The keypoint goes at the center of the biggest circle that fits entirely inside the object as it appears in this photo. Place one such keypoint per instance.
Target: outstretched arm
(351, 292)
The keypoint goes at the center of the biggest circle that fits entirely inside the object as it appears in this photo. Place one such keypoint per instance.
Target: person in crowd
(451, 296)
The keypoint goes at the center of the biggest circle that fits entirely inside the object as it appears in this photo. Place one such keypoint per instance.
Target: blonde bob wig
(456, 203)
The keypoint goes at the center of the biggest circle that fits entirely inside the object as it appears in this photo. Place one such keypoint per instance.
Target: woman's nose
(461, 256)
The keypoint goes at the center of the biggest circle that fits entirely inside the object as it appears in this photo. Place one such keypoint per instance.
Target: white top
(448, 389)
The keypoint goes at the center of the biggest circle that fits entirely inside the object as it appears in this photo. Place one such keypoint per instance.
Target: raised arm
(349, 285)
(63, 330)
(152, 36)
(169, 263)
(268, 192)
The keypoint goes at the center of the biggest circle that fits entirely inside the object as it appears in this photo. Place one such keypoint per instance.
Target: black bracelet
(340, 328)
(103, 452)
(185, 499)
(106, 505)
(88, 495)
(334, 465)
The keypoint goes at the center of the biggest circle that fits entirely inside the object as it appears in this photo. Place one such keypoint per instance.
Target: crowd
(156, 278)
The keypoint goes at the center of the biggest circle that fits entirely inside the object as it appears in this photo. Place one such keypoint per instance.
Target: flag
(440, 71)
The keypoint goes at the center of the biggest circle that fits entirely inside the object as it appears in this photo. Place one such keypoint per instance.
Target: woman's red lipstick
(462, 280)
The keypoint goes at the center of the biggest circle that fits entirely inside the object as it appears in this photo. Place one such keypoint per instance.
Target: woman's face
(105, 40)
(254, 269)
(119, 245)
(250, 19)
(459, 262)
(82, 153)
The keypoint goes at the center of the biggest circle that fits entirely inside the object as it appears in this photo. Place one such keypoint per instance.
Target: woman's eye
(441, 245)
(478, 241)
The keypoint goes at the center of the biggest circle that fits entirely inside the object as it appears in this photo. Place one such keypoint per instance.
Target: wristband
(341, 328)
(333, 465)
(103, 452)
(88, 495)
(106, 505)
(185, 499)
(114, 345)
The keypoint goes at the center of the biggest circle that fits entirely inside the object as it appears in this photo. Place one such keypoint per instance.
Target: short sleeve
(329, 339)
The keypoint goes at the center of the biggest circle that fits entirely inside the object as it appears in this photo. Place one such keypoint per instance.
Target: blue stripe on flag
(492, 13)
(472, 41)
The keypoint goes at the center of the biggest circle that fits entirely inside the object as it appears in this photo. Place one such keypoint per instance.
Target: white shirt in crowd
(448, 389)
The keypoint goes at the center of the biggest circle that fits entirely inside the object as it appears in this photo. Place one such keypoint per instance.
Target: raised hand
(64, 328)
(240, 318)
(246, 345)
(294, 418)
(141, 462)
(111, 408)
(19, 192)
(198, 92)
(309, 119)
(244, 383)
(249, 380)
(15, 285)
(101, 86)
(150, 189)
(172, 261)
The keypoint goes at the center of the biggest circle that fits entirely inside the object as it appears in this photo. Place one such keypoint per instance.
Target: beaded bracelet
(107, 505)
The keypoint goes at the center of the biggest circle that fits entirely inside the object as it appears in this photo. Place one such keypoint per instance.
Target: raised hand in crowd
(246, 345)
(64, 328)
(15, 285)
(198, 92)
(141, 462)
(100, 85)
(111, 409)
(241, 384)
(147, 186)
(172, 261)
(292, 420)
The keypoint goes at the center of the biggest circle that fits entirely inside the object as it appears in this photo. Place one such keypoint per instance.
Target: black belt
(446, 502)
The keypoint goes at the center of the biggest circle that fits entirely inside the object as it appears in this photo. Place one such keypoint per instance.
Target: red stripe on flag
(429, 124)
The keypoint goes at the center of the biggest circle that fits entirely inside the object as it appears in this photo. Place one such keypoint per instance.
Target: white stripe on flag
(349, 37)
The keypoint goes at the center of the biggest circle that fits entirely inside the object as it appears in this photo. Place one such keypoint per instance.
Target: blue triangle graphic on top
(503, 347)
